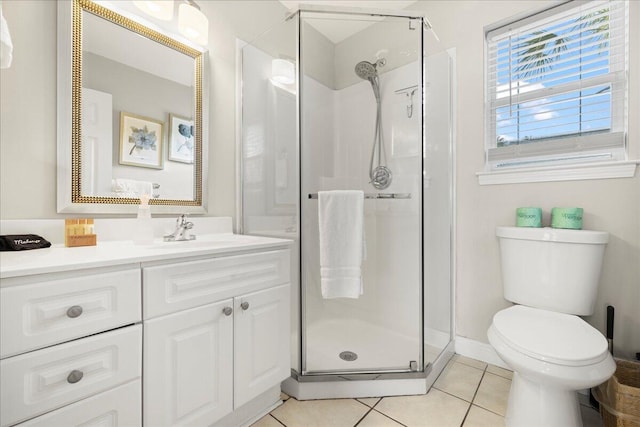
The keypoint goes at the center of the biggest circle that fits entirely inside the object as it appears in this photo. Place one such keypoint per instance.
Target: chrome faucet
(181, 232)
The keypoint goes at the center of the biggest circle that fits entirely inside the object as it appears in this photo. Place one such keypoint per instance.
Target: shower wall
(268, 153)
(438, 202)
(338, 131)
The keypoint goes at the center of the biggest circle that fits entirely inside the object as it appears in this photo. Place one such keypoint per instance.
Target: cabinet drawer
(53, 311)
(37, 382)
(169, 288)
(118, 407)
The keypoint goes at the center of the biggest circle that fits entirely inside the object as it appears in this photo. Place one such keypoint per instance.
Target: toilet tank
(552, 269)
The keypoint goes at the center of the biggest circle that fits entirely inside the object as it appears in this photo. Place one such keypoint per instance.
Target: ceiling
(335, 30)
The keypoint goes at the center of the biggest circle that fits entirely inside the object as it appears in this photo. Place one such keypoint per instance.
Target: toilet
(552, 276)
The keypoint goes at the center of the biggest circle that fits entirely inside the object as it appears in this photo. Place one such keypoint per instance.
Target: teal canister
(528, 217)
(569, 218)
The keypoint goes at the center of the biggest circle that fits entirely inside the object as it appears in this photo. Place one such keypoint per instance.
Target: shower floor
(377, 348)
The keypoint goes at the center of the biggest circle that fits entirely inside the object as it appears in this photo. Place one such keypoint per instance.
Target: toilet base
(535, 404)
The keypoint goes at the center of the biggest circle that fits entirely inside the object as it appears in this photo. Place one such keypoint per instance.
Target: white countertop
(59, 258)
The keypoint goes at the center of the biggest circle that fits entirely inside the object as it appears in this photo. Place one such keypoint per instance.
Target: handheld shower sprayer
(380, 175)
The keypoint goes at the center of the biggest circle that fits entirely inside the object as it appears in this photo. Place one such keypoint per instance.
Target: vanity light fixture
(160, 9)
(192, 23)
(283, 71)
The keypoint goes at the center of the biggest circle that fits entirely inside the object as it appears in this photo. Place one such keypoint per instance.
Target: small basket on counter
(79, 232)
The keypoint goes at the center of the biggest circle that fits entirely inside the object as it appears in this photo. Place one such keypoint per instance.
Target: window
(556, 89)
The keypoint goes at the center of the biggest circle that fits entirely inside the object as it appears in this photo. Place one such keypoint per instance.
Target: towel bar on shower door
(376, 195)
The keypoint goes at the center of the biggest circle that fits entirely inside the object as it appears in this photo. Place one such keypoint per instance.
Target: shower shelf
(376, 195)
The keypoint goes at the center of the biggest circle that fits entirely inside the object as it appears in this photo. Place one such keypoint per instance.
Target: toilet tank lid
(558, 338)
(548, 234)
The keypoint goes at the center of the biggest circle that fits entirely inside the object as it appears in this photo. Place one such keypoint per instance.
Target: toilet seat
(558, 338)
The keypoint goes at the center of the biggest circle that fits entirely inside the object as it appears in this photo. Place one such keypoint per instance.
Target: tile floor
(467, 393)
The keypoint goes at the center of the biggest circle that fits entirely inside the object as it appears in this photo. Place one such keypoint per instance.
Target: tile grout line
(387, 416)
(373, 408)
(453, 395)
(487, 409)
(280, 422)
(502, 376)
(369, 411)
(365, 415)
(359, 401)
(484, 371)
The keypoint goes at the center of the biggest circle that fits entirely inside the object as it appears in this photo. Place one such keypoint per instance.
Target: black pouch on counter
(22, 242)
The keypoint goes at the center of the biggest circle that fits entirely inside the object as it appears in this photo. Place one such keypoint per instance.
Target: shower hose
(380, 175)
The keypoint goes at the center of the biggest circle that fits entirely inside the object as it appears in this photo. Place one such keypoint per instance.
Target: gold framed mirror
(131, 114)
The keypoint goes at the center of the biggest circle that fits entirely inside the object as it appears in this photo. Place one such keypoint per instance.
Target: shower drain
(349, 356)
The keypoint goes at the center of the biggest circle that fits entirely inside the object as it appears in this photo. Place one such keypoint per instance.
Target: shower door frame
(381, 374)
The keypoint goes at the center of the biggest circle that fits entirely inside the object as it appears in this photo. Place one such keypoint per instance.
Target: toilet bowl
(552, 355)
(552, 276)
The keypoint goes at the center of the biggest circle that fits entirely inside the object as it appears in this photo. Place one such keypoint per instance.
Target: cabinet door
(188, 367)
(262, 358)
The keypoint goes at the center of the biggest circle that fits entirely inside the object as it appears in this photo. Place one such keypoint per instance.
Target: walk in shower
(346, 99)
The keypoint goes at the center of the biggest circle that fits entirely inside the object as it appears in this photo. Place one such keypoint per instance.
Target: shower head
(366, 70)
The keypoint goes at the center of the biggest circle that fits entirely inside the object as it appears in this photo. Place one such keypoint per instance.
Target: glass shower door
(340, 148)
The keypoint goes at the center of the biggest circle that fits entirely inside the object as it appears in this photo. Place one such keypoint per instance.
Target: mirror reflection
(142, 98)
(140, 113)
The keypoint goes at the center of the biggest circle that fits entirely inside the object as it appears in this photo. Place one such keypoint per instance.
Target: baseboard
(479, 351)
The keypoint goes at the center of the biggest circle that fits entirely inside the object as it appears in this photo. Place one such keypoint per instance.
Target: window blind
(557, 85)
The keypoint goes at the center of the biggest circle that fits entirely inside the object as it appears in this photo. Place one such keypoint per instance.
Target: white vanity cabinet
(70, 336)
(159, 335)
(216, 335)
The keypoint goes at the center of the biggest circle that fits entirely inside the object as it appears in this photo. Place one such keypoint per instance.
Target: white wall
(28, 113)
(28, 103)
(612, 205)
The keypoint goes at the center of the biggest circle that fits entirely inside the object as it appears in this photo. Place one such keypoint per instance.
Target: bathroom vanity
(170, 333)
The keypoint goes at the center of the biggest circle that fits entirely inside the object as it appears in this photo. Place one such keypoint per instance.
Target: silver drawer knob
(74, 376)
(74, 311)
(244, 305)
(227, 311)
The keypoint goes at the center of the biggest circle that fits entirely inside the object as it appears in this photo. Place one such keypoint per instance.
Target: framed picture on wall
(140, 141)
(181, 139)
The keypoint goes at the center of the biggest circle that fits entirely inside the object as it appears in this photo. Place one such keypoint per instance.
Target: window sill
(605, 170)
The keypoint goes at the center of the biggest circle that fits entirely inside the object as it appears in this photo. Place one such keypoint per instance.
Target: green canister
(570, 218)
(529, 217)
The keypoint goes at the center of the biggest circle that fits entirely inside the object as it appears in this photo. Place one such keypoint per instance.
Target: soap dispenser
(143, 234)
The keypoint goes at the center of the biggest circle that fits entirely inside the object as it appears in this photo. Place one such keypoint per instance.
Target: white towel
(131, 187)
(6, 46)
(341, 220)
